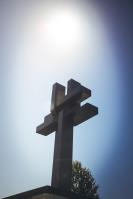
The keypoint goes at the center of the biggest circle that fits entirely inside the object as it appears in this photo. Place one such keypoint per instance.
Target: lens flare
(62, 30)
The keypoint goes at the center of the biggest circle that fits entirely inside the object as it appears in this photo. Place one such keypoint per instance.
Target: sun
(63, 30)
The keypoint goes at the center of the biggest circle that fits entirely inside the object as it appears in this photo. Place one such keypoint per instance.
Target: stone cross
(66, 112)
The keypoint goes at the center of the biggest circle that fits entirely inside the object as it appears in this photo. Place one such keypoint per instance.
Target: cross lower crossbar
(84, 113)
(49, 125)
(81, 115)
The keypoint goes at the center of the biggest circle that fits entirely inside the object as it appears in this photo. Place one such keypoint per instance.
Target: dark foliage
(83, 182)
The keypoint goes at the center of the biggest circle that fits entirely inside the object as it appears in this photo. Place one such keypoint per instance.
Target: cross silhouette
(66, 112)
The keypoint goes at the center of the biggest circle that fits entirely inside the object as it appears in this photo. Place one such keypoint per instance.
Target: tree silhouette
(83, 182)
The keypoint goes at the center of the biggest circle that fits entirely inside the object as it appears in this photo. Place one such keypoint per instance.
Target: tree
(83, 182)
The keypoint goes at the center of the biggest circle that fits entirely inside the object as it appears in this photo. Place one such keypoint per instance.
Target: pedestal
(46, 192)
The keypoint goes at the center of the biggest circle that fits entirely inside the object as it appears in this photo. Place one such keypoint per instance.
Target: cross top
(65, 113)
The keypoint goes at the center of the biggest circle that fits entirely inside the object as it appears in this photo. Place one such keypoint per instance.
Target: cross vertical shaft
(62, 163)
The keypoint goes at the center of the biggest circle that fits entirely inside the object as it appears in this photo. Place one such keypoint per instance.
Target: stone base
(46, 192)
(49, 196)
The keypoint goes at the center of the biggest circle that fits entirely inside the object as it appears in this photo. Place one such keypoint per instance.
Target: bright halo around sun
(63, 30)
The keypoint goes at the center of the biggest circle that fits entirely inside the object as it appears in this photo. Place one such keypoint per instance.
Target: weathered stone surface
(46, 192)
(49, 125)
(62, 164)
(66, 112)
(58, 94)
(84, 113)
(48, 196)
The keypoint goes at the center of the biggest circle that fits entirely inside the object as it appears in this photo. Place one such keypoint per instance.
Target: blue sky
(30, 64)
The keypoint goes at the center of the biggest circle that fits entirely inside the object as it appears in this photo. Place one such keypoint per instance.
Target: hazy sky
(36, 51)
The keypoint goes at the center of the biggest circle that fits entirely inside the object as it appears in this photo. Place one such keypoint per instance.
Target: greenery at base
(83, 182)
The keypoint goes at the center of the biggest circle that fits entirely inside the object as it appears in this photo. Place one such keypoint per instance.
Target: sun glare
(63, 30)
